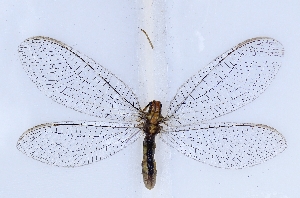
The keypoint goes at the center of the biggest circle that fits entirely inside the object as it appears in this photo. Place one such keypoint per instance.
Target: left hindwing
(73, 144)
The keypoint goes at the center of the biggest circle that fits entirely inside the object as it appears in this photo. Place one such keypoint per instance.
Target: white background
(193, 33)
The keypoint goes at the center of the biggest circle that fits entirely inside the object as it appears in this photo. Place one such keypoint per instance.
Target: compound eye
(150, 106)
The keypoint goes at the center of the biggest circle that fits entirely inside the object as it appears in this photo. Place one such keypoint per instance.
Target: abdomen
(148, 163)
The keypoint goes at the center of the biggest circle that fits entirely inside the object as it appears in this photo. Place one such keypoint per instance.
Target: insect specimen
(229, 82)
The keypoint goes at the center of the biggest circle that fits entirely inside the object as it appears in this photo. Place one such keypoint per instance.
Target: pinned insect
(231, 81)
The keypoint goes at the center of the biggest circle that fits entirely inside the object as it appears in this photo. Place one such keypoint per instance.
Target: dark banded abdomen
(148, 163)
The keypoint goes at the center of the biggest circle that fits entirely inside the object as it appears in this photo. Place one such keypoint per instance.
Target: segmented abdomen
(148, 163)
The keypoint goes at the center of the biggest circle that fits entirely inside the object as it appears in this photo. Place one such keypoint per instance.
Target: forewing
(229, 82)
(73, 144)
(76, 81)
(226, 145)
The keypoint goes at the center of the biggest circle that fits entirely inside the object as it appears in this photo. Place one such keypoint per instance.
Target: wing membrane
(229, 82)
(76, 81)
(73, 144)
(226, 145)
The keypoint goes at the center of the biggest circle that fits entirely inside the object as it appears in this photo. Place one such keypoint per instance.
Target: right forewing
(229, 82)
(73, 144)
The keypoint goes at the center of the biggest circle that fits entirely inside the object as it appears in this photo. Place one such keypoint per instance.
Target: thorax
(152, 118)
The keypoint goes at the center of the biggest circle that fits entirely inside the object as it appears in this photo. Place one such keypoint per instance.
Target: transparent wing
(226, 145)
(76, 81)
(229, 82)
(72, 144)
